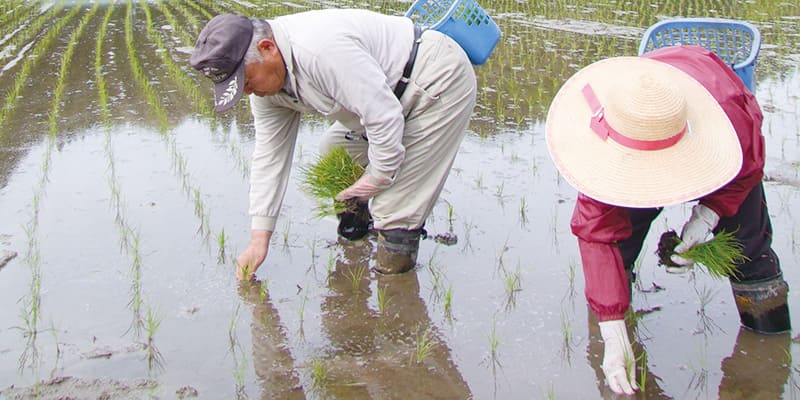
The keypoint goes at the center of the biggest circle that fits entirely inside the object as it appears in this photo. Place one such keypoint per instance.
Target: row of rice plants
(129, 237)
(200, 101)
(184, 36)
(39, 49)
(189, 85)
(34, 29)
(179, 161)
(191, 22)
(12, 18)
(66, 58)
(138, 72)
(206, 14)
(232, 6)
(32, 304)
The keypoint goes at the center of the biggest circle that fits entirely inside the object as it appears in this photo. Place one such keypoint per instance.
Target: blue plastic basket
(463, 20)
(735, 42)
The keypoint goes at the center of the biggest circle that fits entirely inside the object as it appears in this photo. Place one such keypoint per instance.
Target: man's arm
(276, 134)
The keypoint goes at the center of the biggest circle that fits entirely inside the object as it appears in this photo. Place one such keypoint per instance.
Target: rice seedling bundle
(329, 175)
(720, 256)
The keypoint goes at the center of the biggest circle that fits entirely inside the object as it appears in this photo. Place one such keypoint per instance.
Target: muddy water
(116, 219)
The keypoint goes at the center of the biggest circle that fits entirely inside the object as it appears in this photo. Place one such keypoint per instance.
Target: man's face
(265, 78)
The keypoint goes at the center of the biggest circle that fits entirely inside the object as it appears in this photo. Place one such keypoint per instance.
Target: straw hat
(636, 132)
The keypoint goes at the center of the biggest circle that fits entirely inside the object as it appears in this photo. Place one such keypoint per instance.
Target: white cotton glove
(696, 230)
(619, 364)
(364, 188)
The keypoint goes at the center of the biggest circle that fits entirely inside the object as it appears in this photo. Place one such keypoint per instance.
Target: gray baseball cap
(219, 54)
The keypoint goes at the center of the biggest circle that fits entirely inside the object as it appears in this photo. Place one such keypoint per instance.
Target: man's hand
(364, 188)
(696, 230)
(251, 258)
(619, 364)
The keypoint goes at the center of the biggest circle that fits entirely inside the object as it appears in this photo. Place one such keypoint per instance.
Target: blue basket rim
(446, 15)
(756, 46)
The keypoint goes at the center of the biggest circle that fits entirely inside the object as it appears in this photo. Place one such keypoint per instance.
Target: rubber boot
(354, 222)
(763, 305)
(397, 250)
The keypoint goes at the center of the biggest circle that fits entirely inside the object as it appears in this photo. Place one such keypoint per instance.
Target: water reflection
(649, 383)
(396, 353)
(273, 363)
(757, 367)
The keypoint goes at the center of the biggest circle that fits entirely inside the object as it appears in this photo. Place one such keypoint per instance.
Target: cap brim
(705, 159)
(229, 91)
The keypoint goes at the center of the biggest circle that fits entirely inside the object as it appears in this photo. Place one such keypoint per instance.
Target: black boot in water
(763, 305)
(397, 250)
(354, 223)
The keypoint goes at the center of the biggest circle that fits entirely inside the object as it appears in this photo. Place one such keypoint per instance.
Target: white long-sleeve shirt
(342, 64)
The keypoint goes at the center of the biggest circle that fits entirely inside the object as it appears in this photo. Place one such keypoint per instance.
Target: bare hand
(253, 256)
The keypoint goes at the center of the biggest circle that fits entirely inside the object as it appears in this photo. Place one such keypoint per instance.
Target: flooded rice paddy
(123, 202)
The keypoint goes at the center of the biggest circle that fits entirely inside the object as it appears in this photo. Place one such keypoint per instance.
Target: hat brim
(229, 91)
(706, 158)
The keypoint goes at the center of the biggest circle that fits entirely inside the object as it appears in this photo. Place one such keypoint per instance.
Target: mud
(71, 388)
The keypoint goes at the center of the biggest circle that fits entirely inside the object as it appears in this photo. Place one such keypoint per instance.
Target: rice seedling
(423, 345)
(523, 211)
(356, 274)
(136, 301)
(232, 340)
(501, 254)
(330, 264)
(221, 242)
(312, 245)
(155, 360)
(479, 182)
(720, 256)
(448, 303)
(263, 290)
(327, 176)
(706, 324)
(567, 345)
(302, 309)
(512, 284)
(239, 372)
(499, 192)
(285, 234)
(383, 299)
(571, 278)
(492, 359)
(319, 374)
(699, 379)
(642, 361)
(551, 392)
(436, 277)
(467, 235)
(450, 215)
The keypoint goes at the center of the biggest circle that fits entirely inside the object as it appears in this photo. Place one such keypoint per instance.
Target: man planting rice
(401, 101)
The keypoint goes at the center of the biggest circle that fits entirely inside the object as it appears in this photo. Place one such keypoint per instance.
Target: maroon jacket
(600, 226)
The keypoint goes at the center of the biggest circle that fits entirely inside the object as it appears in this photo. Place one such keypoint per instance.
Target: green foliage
(330, 174)
(720, 256)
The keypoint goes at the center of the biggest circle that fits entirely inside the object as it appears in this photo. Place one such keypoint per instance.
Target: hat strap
(601, 127)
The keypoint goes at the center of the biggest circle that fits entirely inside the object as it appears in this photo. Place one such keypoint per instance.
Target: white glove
(696, 230)
(364, 188)
(619, 364)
